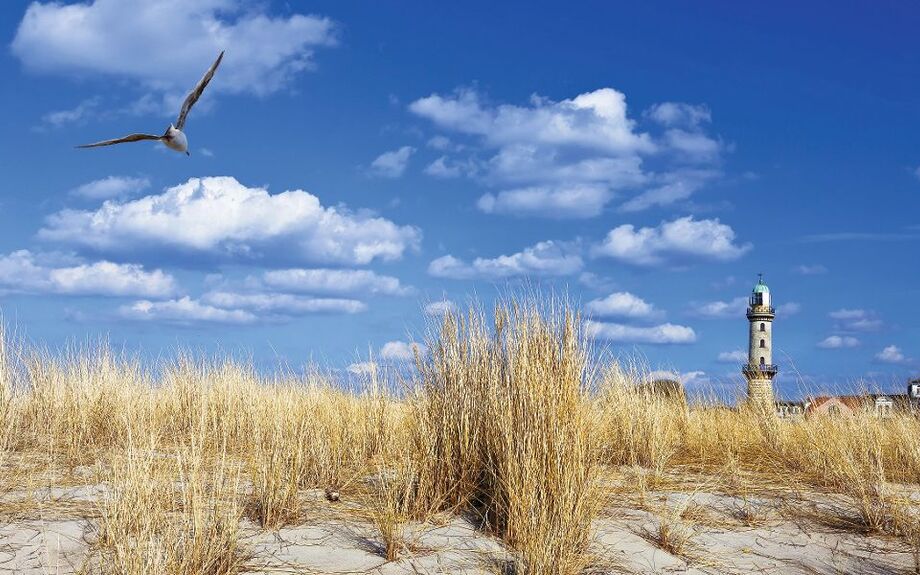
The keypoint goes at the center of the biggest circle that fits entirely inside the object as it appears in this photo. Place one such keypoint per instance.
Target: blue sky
(355, 167)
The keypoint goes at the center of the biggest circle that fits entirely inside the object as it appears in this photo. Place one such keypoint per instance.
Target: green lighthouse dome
(761, 287)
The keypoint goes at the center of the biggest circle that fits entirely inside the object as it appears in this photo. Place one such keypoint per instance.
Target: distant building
(760, 370)
(790, 409)
(878, 404)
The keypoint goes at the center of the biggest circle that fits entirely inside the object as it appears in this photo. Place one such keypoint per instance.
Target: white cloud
(111, 187)
(810, 270)
(622, 304)
(595, 120)
(23, 271)
(286, 304)
(392, 164)
(838, 342)
(445, 168)
(789, 308)
(681, 237)
(848, 314)
(577, 201)
(76, 115)
(686, 379)
(736, 356)
(363, 368)
(675, 186)
(856, 319)
(677, 114)
(667, 333)
(543, 259)
(183, 311)
(220, 215)
(734, 308)
(137, 41)
(333, 281)
(439, 308)
(439, 143)
(545, 151)
(892, 354)
(401, 350)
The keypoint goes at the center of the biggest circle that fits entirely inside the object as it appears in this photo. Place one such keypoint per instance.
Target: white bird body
(174, 138)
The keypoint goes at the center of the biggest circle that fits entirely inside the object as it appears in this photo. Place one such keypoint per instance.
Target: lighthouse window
(762, 361)
(763, 343)
(763, 327)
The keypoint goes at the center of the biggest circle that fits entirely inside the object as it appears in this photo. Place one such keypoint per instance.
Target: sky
(357, 168)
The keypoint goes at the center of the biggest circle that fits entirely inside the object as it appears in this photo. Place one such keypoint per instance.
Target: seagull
(173, 138)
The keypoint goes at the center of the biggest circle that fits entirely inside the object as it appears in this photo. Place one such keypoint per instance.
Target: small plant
(274, 470)
(391, 505)
(673, 534)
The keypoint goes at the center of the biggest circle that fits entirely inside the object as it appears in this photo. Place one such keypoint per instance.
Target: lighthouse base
(760, 393)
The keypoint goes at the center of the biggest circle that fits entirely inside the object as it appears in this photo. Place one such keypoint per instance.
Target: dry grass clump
(170, 513)
(393, 504)
(506, 427)
(673, 532)
(640, 424)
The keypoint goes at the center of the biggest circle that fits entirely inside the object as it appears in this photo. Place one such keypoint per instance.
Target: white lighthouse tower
(760, 369)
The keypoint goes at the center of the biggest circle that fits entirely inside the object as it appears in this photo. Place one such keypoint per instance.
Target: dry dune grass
(510, 419)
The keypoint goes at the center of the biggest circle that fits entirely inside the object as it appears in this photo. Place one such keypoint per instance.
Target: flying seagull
(173, 138)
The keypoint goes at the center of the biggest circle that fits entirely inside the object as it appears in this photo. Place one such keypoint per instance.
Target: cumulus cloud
(687, 379)
(838, 342)
(856, 319)
(673, 187)
(440, 169)
(734, 308)
(392, 164)
(595, 120)
(218, 215)
(678, 114)
(736, 356)
(810, 270)
(23, 271)
(622, 304)
(789, 308)
(685, 236)
(892, 354)
(76, 115)
(111, 187)
(363, 368)
(441, 307)
(401, 350)
(547, 153)
(577, 201)
(547, 258)
(280, 303)
(667, 333)
(333, 281)
(183, 311)
(137, 41)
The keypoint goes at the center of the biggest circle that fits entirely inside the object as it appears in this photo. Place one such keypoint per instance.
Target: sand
(53, 529)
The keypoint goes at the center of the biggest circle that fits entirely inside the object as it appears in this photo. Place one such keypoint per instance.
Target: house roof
(851, 401)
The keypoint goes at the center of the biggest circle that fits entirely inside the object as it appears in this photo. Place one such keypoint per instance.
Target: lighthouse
(760, 370)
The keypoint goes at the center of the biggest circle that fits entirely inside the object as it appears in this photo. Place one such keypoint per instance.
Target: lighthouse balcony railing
(759, 308)
(759, 369)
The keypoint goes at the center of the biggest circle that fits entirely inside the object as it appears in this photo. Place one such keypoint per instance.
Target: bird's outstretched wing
(196, 93)
(128, 138)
